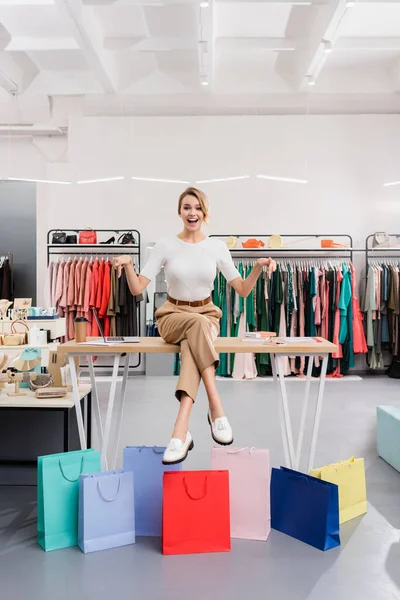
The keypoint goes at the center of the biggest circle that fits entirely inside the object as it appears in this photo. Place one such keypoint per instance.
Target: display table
(57, 327)
(151, 345)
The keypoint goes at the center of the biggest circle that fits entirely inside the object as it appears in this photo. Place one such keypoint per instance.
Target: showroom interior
(286, 115)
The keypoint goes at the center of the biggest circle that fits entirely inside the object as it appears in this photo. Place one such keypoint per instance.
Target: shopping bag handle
(156, 451)
(103, 496)
(251, 450)
(193, 497)
(64, 475)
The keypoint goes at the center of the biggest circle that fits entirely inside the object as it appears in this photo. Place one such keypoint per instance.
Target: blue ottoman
(388, 434)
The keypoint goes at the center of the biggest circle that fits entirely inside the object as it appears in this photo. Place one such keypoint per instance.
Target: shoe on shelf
(109, 241)
(221, 431)
(177, 451)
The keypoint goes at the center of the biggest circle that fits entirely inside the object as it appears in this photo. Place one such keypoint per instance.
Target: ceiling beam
(256, 43)
(87, 32)
(149, 44)
(33, 44)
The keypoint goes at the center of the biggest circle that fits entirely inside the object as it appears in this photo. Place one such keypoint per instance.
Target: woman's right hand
(120, 262)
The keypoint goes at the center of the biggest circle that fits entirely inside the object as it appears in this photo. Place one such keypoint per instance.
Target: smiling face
(191, 213)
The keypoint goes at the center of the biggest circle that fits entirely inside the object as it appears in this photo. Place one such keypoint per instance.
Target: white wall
(345, 158)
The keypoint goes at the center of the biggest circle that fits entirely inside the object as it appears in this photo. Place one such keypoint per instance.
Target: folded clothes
(253, 243)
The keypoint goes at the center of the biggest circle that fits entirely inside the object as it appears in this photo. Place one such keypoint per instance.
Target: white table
(321, 348)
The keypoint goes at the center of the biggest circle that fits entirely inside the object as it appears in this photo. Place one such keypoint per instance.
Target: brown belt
(186, 303)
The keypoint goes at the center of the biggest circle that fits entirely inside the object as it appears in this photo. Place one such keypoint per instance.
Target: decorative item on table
(58, 496)
(41, 313)
(249, 490)
(12, 376)
(88, 236)
(59, 237)
(258, 336)
(305, 508)
(253, 243)
(106, 510)
(28, 361)
(47, 393)
(232, 242)
(332, 244)
(146, 464)
(43, 380)
(275, 241)
(196, 513)
(16, 338)
(4, 306)
(80, 325)
(126, 238)
(349, 475)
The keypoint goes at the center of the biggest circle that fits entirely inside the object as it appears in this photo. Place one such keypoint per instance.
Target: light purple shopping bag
(249, 480)
(106, 510)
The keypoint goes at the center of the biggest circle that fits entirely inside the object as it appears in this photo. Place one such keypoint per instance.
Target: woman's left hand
(269, 263)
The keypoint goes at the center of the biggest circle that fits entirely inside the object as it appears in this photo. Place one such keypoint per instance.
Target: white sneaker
(177, 451)
(221, 431)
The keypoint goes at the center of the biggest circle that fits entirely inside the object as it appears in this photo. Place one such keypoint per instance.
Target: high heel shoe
(110, 241)
(177, 451)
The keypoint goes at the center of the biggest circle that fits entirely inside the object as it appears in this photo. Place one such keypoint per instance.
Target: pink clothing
(86, 301)
(59, 287)
(53, 283)
(336, 329)
(359, 342)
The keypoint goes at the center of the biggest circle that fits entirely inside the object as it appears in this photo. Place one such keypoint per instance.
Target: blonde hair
(202, 199)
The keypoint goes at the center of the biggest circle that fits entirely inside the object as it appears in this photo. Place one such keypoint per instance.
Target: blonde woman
(189, 317)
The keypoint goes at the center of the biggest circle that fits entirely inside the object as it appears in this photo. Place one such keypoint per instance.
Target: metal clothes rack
(10, 257)
(99, 250)
(293, 252)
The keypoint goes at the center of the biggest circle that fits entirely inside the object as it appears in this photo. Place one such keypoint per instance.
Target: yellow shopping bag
(349, 476)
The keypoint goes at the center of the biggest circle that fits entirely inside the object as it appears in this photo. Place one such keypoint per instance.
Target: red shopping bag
(196, 515)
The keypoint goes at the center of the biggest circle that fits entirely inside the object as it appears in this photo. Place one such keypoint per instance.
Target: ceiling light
(100, 180)
(311, 80)
(350, 3)
(224, 179)
(204, 82)
(159, 180)
(204, 4)
(327, 46)
(284, 179)
(38, 180)
(390, 183)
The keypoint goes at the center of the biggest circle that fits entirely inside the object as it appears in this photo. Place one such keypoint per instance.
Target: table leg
(304, 412)
(96, 405)
(317, 416)
(77, 402)
(110, 409)
(120, 409)
(286, 414)
(280, 409)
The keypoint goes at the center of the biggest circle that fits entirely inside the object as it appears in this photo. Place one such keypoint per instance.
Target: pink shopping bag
(249, 477)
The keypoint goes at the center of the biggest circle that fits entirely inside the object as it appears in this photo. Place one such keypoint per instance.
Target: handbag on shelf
(59, 237)
(381, 240)
(126, 238)
(71, 239)
(16, 338)
(88, 236)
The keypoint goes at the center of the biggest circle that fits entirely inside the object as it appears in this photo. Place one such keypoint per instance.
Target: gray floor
(365, 567)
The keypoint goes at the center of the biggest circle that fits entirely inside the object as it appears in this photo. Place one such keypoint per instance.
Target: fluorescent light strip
(38, 180)
(390, 183)
(159, 180)
(224, 179)
(100, 180)
(284, 179)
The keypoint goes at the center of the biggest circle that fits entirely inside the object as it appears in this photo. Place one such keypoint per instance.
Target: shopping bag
(305, 508)
(349, 476)
(148, 470)
(196, 512)
(58, 496)
(249, 483)
(106, 510)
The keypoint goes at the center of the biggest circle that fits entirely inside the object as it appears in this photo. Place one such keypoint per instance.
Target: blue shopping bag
(305, 508)
(58, 496)
(148, 471)
(106, 510)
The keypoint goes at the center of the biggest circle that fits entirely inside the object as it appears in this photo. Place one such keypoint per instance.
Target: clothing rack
(99, 251)
(295, 251)
(380, 253)
(10, 257)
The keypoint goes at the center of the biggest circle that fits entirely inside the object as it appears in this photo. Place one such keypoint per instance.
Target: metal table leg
(77, 402)
(280, 409)
(304, 412)
(285, 407)
(317, 416)
(110, 409)
(120, 409)
(96, 405)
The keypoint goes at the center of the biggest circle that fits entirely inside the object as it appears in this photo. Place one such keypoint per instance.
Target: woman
(189, 317)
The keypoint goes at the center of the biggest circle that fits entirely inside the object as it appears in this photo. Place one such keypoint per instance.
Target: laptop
(114, 338)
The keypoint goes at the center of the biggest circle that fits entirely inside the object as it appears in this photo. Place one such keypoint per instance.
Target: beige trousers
(195, 329)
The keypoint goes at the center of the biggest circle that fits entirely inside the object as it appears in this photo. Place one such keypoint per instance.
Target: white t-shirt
(190, 269)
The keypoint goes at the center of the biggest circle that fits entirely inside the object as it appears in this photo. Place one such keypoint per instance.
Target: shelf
(384, 249)
(298, 250)
(106, 246)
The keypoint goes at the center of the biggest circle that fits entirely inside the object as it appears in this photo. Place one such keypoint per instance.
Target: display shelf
(83, 246)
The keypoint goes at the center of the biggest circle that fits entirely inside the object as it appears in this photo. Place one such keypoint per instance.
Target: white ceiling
(151, 56)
